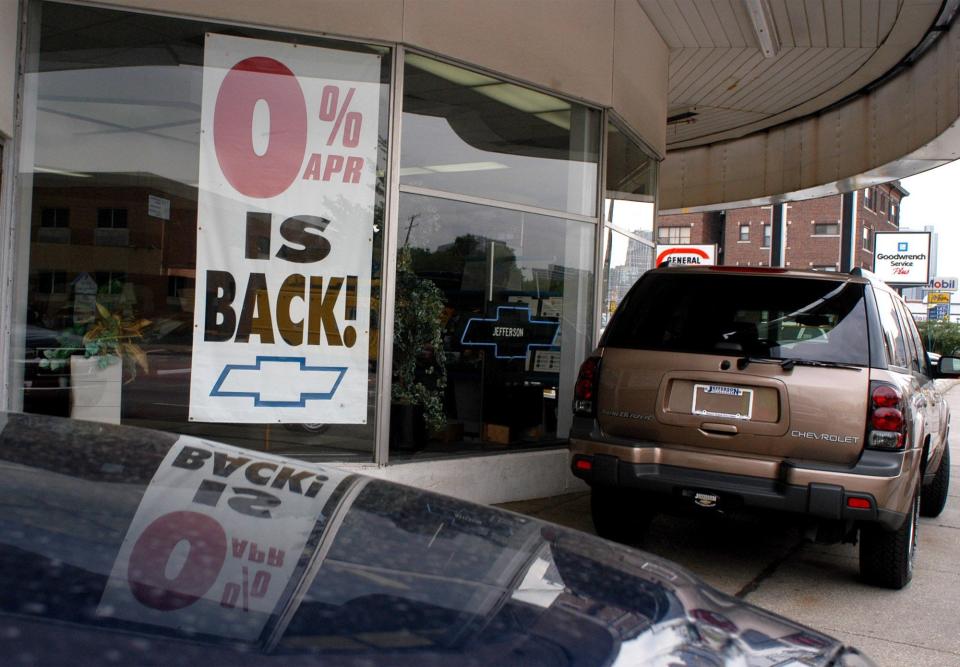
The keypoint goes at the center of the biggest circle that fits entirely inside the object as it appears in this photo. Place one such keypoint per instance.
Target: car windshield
(772, 316)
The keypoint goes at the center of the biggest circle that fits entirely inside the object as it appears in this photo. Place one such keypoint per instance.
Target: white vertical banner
(287, 190)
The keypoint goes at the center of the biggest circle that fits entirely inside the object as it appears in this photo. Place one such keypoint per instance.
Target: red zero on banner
(248, 82)
(150, 559)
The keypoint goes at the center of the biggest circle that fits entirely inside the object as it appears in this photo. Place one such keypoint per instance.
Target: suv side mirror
(949, 367)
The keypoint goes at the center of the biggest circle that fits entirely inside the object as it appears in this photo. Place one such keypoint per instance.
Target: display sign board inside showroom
(902, 258)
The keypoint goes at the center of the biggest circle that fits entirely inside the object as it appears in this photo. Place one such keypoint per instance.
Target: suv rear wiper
(821, 364)
(743, 362)
(788, 364)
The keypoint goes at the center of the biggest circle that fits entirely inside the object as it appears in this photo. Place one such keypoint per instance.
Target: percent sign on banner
(350, 122)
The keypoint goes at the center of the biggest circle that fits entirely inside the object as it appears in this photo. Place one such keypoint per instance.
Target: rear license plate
(717, 400)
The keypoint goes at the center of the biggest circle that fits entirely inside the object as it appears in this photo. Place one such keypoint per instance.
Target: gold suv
(720, 388)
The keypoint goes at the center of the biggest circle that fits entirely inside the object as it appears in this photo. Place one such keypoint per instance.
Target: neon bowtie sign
(512, 333)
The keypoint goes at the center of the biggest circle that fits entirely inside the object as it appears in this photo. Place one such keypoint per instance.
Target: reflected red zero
(248, 82)
(146, 571)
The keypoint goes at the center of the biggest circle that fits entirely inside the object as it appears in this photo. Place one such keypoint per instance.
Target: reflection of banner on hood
(216, 544)
(288, 156)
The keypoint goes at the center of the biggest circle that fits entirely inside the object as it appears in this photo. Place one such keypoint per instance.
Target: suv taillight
(887, 428)
(585, 391)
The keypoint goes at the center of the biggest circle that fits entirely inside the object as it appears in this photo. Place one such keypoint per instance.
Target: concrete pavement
(768, 562)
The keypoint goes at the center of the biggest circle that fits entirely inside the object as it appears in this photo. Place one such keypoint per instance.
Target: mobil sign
(941, 284)
(681, 254)
(288, 159)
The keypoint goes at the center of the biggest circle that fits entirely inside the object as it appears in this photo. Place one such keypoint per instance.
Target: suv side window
(919, 360)
(893, 337)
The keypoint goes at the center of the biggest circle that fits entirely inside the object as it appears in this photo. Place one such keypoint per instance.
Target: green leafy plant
(941, 336)
(110, 337)
(419, 368)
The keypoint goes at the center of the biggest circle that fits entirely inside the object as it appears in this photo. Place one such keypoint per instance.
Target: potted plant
(419, 368)
(96, 364)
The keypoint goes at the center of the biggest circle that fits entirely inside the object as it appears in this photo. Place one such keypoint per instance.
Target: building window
(51, 282)
(495, 265)
(894, 213)
(112, 227)
(462, 137)
(673, 235)
(628, 215)
(744, 233)
(54, 225)
(868, 198)
(866, 238)
(55, 218)
(825, 267)
(767, 236)
(112, 218)
(109, 209)
(826, 229)
(882, 207)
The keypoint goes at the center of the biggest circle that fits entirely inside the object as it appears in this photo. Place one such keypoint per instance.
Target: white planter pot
(95, 391)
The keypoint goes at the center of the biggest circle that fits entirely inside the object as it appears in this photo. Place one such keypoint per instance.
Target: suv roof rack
(861, 272)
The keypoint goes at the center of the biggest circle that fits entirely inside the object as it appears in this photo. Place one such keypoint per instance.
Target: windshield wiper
(788, 364)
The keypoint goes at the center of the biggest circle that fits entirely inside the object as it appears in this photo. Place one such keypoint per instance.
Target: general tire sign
(684, 254)
(288, 155)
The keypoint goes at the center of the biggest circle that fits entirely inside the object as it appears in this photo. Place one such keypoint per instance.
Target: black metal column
(847, 231)
(776, 235)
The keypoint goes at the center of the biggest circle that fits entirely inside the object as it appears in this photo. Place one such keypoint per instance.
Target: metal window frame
(388, 277)
(15, 237)
(610, 117)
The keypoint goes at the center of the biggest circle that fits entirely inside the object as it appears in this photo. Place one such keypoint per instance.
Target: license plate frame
(721, 400)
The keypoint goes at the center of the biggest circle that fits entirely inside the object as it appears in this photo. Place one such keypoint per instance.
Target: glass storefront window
(471, 134)
(630, 169)
(116, 172)
(629, 213)
(625, 259)
(513, 323)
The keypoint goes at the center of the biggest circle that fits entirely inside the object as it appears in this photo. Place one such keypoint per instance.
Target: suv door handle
(718, 429)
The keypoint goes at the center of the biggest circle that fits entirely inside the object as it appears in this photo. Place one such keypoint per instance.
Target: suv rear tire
(887, 556)
(620, 515)
(933, 497)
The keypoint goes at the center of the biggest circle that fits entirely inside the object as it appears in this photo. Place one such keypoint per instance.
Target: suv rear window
(771, 316)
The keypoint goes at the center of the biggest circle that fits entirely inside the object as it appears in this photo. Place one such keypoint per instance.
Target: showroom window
(495, 276)
(229, 253)
(628, 248)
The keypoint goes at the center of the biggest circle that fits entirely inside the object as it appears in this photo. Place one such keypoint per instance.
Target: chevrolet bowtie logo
(511, 333)
(279, 382)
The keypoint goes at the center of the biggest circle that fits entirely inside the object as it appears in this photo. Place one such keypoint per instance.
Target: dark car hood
(128, 546)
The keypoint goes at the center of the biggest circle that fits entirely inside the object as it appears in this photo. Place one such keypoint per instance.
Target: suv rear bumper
(824, 492)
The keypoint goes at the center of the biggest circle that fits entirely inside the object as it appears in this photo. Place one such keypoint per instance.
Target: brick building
(807, 234)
